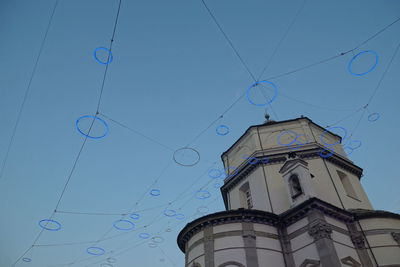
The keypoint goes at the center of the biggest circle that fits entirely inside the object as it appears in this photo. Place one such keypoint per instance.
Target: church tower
(292, 199)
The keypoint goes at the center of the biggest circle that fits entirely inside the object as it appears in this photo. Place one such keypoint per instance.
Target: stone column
(209, 246)
(321, 232)
(359, 244)
(249, 239)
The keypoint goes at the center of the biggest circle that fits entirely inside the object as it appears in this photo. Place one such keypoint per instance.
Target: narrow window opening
(348, 187)
(245, 196)
(295, 187)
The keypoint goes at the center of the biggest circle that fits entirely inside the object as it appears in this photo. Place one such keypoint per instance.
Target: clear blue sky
(172, 74)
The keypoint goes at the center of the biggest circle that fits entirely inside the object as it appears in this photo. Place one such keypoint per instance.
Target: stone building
(293, 198)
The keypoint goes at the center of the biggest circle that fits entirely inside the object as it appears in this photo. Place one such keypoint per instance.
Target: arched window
(295, 187)
(231, 264)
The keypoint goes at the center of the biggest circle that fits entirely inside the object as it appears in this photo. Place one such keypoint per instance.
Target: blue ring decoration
(349, 66)
(180, 216)
(115, 224)
(211, 173)
(134, 216)
(26, 259)
(352, 141)
(144, 235)
(285, 132)
(322, 153)
(265, 160)
(109, 59)
(373, 117)
(268, 102)
(155, 192)
(96, 118)
(321, 136)
(47, 221)
(96, 251)
(202, 194)
(169, 213)
(222, 130)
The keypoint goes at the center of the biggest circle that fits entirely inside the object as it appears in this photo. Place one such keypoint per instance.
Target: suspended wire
(298, 70)
(335, 56)
(228, 39)
(376, 34)
(108, 57)
(383, 75)
(135, 131)
(27, 90)
(376, 89)
(84, 142)
(345, 118)
(282, 39)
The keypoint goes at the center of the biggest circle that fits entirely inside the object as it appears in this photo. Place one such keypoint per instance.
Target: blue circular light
(322, 135)
(109, 57)
(96, 251)
(287, 132)
(144, 235)
(155, 192)
(373, 117)
(202, 194)
(349, 66)
(180, 216)
(169, 213)
(54, 225)
(263, 104)
(96, 118)
(130, 225)
(26, 259)
(134, 216)
(222, 130)
(326, 152)
(215, 173)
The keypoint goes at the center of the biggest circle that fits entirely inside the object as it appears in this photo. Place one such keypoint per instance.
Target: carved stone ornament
(396, 236)
(310, 263)
(319, 229)
(350, 262)
(357, 239)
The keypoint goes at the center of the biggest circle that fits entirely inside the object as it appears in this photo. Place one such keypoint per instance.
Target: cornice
(262, 217)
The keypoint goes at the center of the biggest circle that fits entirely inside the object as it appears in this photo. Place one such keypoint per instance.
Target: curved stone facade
(314, 233)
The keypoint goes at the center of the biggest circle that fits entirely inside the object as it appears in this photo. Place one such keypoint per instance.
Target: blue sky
(173, 73)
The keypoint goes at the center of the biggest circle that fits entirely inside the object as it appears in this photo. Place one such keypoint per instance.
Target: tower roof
(271, 122)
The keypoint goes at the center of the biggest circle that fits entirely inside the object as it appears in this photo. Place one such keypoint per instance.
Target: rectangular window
(348, 187)
(249, 200)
